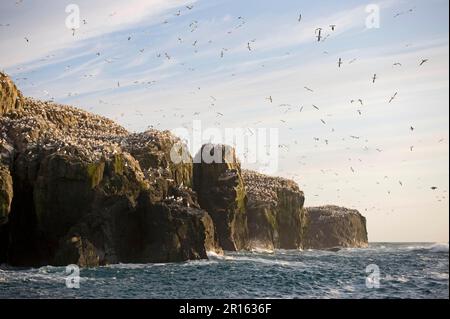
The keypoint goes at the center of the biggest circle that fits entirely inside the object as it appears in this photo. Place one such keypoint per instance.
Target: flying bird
(374, 78)
(423, 61)
(300, 17)
(270, 99)
(393, 97)
(315, 107)
(319, 34)
(339, 62)
(308, 89)
(332, 26)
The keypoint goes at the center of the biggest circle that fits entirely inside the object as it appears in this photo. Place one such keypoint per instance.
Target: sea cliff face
(221, 192)
(275, 211)
(76, 188)
(333, 226)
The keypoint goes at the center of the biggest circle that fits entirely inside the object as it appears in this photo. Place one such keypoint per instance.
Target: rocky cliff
(333, 226)
(275, 211)
(220, 188)
(76, 188)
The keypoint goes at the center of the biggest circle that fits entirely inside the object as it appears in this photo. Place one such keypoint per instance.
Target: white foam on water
(438, 275)
(262, 250)
(200, 262)
(435, 248)
(211, 253)
(261, 260)
(130, 266)
(401, 278)
(439, 248)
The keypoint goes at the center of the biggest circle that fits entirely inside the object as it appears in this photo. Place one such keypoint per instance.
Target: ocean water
(401, 270)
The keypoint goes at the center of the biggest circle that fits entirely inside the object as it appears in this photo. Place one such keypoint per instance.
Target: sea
(383, 270)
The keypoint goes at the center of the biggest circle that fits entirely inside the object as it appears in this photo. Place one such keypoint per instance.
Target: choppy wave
(406, 271)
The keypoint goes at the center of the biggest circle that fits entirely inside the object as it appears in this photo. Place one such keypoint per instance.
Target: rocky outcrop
(78, 188)
(153, 232)
(10, 97)
(274, 211)
(221, 192)
(333, 226)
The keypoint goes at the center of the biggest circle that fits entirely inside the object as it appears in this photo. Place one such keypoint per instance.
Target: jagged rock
(274, 211)
(333, 226)
(221, 192)
(10, 96)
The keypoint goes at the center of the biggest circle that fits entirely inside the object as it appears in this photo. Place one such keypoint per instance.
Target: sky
(245, 64)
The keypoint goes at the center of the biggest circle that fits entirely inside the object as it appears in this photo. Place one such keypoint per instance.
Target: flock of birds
(263, 188)
(321, 34)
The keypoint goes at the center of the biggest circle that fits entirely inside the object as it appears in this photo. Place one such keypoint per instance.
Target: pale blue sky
(285, 57)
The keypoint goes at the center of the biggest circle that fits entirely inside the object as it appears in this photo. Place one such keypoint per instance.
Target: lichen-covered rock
(333, 226)
(10, 96)
(221, 192)
(274, 211)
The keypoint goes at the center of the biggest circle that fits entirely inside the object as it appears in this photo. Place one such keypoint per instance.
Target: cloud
(43, 23)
